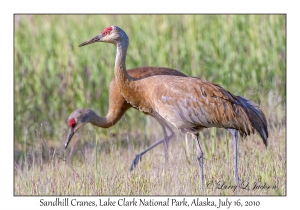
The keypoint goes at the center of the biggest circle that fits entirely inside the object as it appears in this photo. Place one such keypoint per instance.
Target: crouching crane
(117, 106)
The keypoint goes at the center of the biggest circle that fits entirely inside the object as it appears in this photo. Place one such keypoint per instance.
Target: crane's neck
(129, 87)
(103, 122)
(122, 77)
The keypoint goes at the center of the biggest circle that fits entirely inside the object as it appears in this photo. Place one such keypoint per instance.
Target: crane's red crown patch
(106, 31)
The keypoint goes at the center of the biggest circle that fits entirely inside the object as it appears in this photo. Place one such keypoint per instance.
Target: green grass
(53, 76)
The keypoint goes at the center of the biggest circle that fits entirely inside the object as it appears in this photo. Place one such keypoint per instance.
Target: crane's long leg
(165, 140)
(164, 125)
(200, 160)
(234, 134)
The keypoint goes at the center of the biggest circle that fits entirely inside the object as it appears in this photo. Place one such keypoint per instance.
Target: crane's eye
(72, 123)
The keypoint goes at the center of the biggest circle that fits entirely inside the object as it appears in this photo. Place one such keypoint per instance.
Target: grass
(53, 76)
(102, 169)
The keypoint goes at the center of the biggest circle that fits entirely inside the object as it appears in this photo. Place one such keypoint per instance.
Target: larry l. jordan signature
(221, 185)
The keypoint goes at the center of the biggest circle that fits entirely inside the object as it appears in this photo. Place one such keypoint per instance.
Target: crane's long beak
(93, 40)
(69, 137)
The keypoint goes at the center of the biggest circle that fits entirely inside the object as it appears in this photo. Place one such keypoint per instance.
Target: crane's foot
(135, 161)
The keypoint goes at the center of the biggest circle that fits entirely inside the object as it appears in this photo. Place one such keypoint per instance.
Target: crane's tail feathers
(257, 118)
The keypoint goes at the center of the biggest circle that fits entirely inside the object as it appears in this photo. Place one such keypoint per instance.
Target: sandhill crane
(188, 103)
(117, 106)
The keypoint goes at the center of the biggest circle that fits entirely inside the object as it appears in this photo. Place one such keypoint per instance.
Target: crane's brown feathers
(257, 118)
(192, 104)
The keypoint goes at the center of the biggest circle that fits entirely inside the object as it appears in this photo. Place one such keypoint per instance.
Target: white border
(8, 201)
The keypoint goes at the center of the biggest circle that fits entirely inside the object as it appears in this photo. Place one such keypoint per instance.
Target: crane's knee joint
(200, 157)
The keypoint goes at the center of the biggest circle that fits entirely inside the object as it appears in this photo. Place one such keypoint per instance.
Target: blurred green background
(245, 54)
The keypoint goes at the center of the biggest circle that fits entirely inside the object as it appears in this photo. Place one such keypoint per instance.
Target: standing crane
(117, 106)
(188, 103)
